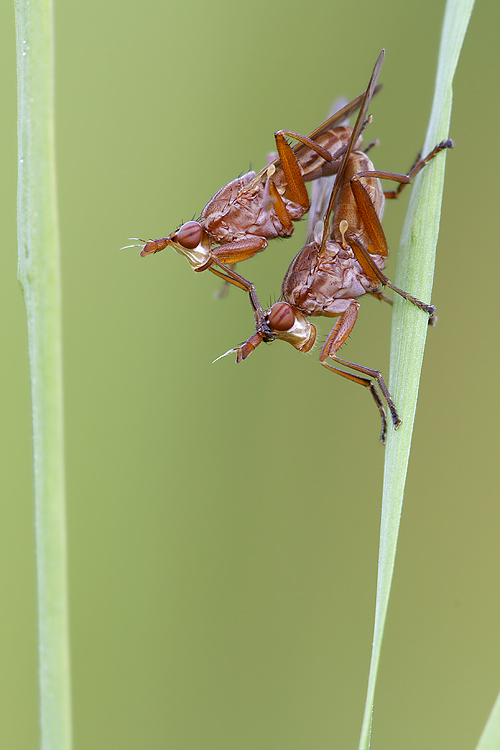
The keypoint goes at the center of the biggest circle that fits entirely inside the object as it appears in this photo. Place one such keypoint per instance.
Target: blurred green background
(223, 520)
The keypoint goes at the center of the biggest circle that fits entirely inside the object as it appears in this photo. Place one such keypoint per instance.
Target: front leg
(223, 290)
(225, 256)
(229, 275)
(232, 252)
(235, 251)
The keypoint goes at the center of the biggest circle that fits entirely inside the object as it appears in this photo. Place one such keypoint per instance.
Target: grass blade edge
(416, 259)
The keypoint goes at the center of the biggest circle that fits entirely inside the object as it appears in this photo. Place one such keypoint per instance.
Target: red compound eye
(189, 235)
(281, 316)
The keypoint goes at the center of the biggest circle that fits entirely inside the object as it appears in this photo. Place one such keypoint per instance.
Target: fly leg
(336, 338)
(229, 276)
(370, 217)
(405, 179)
(377, 276)
(296, 187)
(231, 253)
(225, 257)
(373, 144)
(296, 190)
(378, 242)
(381, 296)
(369, 384)
(223, 290)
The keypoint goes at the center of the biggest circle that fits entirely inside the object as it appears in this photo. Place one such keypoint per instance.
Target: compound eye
(281, 316)
(189, 235)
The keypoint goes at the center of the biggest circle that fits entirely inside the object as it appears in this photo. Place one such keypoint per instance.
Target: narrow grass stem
(409, 328)
(39, 276)
(490, 738)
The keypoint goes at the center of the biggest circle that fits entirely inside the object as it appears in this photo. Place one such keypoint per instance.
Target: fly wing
(320, 197)
(339, 117)
(322, 189)
(358, 127)
(300, 150)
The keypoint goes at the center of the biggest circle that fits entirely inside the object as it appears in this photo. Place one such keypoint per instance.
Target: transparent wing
(339, 117)
(358, 127)
(321, 189)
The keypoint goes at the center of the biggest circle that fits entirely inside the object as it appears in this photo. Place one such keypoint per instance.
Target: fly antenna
(142, 242)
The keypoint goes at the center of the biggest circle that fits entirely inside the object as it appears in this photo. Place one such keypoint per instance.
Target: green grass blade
(490, 738)
(39, 276)
(409, 328)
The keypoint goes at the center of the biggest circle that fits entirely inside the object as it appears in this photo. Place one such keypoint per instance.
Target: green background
(223, 521)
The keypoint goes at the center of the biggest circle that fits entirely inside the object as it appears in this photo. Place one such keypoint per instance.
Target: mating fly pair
(346, 250)
(342, 261)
